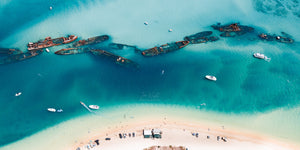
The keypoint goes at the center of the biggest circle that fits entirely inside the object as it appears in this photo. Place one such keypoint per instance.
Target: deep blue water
(245, 84)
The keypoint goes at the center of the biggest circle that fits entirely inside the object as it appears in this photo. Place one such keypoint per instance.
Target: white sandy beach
(180, 134)
(176, 123)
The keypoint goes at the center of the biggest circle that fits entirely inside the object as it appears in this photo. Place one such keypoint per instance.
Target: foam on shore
(76, 131)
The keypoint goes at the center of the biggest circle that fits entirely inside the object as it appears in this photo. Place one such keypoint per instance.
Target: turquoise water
(245, 84)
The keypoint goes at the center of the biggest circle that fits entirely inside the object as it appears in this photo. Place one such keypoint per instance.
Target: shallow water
(244, 85)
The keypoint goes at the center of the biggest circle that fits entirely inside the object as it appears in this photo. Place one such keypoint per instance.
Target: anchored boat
(166, 48)
(210, 77)
(18, 94)
(71, 51)
(275, 37)
(261, 56)
(49, 42)
(51, 109)
(92, 40)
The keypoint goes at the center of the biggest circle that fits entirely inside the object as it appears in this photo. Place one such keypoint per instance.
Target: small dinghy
(18, 94)
(212, 78)
(94, 106)
(51, 109)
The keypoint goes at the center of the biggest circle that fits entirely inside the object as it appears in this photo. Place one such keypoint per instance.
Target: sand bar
(176, 123)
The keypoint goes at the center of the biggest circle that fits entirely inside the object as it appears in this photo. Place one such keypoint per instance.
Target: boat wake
(267, 59)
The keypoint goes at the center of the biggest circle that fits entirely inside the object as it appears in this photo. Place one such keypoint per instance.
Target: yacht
(212, 78)
(51, 109)
(94, 106)
(18, 94)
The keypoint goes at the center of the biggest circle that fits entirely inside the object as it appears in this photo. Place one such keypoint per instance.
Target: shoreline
(110, 121)
(180, 134)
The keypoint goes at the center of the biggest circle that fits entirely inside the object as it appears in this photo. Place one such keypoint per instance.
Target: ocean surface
(245, 85)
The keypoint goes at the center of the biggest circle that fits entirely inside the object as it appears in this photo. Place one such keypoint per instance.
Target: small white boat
(51, 109)
(59, 110)
(94, 106)
(261, 56)
(212, 78)
(47, 50)
(18, 94)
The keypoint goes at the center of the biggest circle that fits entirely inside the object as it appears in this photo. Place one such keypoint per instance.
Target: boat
(18, 94)
(166, 48)
(49, 42)
(233, 29)
(20, 57)
(118, 46)
(198, 35)
(94, 106)
(47, 50)
(212, 78)
(259, 55)
(275, 37)
(92, 40)
(51, 109)
(115, 58)
(71, 51)
(201, 37)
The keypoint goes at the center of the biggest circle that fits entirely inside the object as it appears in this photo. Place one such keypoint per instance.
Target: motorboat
(212, 78)
(18, 94)
(47, 50)
(94, 106)
(259, 55)
(51, 109)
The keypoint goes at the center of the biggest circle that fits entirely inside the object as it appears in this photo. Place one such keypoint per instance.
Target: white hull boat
(212, 78)
(94, 106)
(51, 109)
(261, 56)
(18, 94)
